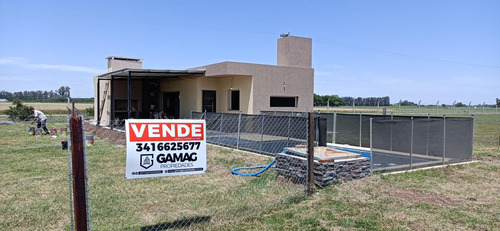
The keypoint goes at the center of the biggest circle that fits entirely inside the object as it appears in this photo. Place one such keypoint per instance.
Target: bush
(19, 111)
(89, 111)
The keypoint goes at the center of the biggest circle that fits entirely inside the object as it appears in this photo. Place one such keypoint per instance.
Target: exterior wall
(268, 81)
(115, 64)
(222, 86)
(294, 52)
(187, 89)
(190, 91)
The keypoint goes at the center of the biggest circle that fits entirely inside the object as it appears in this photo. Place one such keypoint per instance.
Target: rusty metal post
(78, 171)
(310, 153)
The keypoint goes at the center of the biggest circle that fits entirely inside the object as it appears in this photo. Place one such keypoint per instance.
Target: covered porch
(136, 93)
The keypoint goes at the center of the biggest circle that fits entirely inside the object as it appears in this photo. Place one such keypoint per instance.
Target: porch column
(112, 110)
(98, 102)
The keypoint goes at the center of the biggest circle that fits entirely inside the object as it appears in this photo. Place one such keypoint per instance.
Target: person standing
(41, 120)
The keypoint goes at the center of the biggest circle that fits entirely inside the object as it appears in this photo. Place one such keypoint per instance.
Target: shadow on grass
(183, 223)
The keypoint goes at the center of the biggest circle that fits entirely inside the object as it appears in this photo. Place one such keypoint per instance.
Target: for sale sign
(158, 148)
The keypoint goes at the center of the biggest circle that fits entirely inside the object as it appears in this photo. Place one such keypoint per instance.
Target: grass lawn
(48, 108)
(34, 192)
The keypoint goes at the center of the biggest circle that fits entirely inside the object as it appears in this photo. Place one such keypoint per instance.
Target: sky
(426, 50)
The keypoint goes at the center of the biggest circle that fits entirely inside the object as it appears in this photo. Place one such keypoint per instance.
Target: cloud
(11, 61)
(70, 68)
(22, 63)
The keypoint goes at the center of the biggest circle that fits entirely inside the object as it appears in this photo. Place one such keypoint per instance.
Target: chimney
(294, 51)
(116, 63)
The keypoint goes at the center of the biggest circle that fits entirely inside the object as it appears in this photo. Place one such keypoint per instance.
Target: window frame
(296, 101)
(230, 108)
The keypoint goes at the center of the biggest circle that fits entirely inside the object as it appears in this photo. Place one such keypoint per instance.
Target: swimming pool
(384, 160)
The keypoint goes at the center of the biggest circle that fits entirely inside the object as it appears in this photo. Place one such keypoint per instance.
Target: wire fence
(207, 201)
(265, 133)
(213, 200)
(415, 110)
(403, 142)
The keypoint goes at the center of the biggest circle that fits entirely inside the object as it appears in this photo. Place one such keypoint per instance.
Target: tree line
(60, 94)
(335, 100)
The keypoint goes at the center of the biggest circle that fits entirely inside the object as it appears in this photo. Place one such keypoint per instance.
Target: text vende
(142, 132)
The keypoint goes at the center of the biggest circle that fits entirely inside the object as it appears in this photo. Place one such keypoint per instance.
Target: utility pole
(419, 106)
(328, 105)
(437, 107)
(399, 106)
(378, 105)
(454, 106)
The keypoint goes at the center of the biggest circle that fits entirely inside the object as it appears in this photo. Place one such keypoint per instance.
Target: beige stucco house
(128, 91)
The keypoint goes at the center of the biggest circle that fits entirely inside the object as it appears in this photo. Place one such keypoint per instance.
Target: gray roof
(150, 73)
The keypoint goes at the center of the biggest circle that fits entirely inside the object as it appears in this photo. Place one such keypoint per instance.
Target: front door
(208, 101)
(171, 104)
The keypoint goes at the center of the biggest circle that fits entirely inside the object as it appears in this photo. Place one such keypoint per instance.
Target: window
(234, 101)
(208, 101)
(284, 101)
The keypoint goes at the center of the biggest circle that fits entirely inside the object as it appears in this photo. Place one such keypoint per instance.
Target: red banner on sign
(150, 132)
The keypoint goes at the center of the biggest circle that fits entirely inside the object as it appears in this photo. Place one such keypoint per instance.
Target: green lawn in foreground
(34, 192)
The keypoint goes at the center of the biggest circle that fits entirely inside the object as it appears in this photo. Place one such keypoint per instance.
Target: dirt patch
(113, 136)
(414, 196)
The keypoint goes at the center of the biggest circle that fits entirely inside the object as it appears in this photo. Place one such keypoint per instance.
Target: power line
(387, 52)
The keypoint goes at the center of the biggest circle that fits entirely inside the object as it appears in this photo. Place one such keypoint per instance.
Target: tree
(498, 101)
(460, 104)
(407, 103)
(19, 111)
(63, 91)
(323, 100)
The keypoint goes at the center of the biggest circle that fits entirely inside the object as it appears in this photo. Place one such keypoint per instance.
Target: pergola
(137, 74)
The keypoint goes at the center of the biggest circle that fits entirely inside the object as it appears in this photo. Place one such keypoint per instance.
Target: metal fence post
(289, 124)
(411, 144)
(444, 137)
(70, 172)
(371, 143)
(86, 174)
(427, 139)
(334, 126)
(220, 128)
(392, 125)
(310, 154)
(78, 171)
(239, 129)
(360, 127)
(472, 137)
(262, 131)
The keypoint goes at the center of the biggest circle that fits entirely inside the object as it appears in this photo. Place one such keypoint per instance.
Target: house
(129, 91)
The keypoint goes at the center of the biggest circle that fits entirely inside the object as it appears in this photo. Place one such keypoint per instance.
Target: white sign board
(158, 148)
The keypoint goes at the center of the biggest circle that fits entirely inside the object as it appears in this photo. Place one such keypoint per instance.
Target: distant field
(411, 110)
(48, 108)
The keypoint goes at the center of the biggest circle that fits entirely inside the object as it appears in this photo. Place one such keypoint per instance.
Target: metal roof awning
(149, 74)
